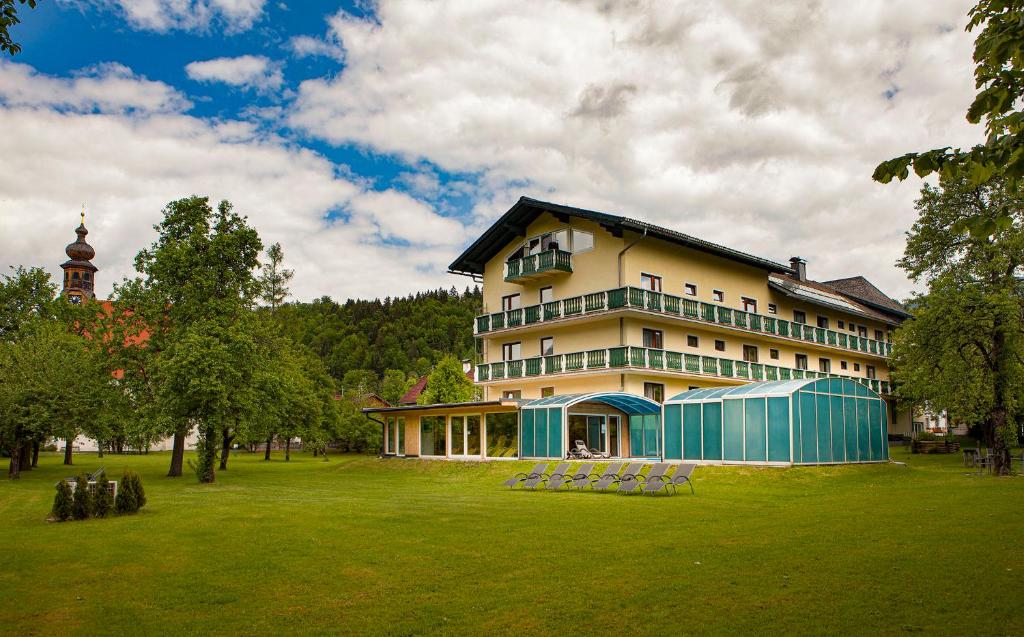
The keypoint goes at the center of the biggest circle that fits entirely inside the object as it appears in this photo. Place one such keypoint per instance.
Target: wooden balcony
(538, 266)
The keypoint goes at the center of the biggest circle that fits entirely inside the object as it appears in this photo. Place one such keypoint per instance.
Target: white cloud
(106, 87)
(307, 46)
(249, 71)
(188, 15)
(125, 165)
(753, 124)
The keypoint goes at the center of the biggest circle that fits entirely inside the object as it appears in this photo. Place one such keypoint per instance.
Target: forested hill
(403, 333)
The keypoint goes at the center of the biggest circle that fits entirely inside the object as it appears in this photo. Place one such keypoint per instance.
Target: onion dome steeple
(79, 270)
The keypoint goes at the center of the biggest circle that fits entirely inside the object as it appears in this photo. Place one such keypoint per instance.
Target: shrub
(140, 493)
(81, 503)
(62, 501)
(102, 501)
(126, 501)
(926, 435)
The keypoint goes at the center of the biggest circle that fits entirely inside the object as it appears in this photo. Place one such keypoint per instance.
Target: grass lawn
(360, 545)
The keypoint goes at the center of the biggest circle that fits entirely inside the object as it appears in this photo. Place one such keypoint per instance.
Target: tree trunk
(315, 453)
(177, 455)
(14, 468)
(100, 448)
(270, 441)
(288, 449)
(225, 450)
(1000, 427)
(67, 450)
(35, 454)
(25, 461)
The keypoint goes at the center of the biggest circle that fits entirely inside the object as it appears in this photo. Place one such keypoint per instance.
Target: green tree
(8, 18)
(26, 296)
(394, 385)
(126, 500)
(448, 384)
(964, 350)
(274, 278)
(62, 501)
(103, 501)
(81, 501)
(999, 67)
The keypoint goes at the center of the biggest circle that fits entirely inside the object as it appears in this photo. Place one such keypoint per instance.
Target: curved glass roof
(628, 403)
(844, 386)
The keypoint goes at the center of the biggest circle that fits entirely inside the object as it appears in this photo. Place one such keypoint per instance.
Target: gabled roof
(825, 296)
(866, 292)
(513, 224)
(410, 397)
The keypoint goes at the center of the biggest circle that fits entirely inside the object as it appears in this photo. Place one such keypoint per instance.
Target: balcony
(685, 309)
(642, 358)
(537, 266)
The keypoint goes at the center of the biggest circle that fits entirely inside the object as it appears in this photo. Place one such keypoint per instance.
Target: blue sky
(374, 140)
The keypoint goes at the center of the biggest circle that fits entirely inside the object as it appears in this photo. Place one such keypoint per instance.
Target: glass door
(401, 435)
(613, 436)
(472, 435)
(458, 435)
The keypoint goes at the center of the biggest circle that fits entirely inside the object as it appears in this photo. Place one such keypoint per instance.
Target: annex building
(608, 330)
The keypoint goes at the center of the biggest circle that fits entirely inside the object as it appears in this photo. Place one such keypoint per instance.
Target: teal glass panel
(555, 435)
(540, 440)
(862, 390)
(885, 430)
(673, 432)
(808, 428)
(795, 407)
(691, 432)
(824, 428)
(838, 430)
(821, 386)
(778, 429)
(636, 435)
(712, 431)
(863, 429)
(755, 424)
(850, 421)
(835, 385)
(732, 429)
(652, 434)
(526, 435)
(502, 440)
(876, 429)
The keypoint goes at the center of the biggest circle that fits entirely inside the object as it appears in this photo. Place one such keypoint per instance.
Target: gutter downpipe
(622, 327)
(383, 427)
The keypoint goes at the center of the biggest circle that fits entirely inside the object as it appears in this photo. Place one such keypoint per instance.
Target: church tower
(78, 269)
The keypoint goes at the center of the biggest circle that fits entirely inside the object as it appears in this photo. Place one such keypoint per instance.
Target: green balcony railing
(535, 265)
(656, 302)
(534, 366)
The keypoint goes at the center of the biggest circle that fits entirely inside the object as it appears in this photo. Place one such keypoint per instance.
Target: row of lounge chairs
(626, 479)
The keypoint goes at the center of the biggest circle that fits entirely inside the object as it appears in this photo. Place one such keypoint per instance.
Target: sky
(375, 140)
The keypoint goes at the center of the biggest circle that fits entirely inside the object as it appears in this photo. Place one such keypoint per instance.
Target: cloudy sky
(374, 140)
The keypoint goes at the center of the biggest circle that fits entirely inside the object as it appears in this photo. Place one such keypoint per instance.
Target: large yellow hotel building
(583, 302)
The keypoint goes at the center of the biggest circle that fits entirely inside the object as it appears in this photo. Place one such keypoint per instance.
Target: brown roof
(826, 295)
(410, 397)
(863, 290)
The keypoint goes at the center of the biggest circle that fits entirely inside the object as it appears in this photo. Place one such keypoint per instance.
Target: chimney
(467, 365)
(800, 266)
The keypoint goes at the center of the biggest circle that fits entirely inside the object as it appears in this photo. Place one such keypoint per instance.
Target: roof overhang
(480, 403)
(629, 404)
(821, 302)
(513, 224)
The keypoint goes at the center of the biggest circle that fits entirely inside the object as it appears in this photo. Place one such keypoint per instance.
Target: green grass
(359, 545)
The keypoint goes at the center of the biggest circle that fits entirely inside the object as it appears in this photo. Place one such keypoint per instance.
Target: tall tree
(964, 350)
(26, 295)
(8, 18)
(448, 383)
(274, 278)
(999, 67)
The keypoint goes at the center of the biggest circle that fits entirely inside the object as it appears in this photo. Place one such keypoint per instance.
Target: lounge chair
(580, 451)
(535, 481)
(631, 478)
(608, 477)
(520, 478)
(559, 477)
(657, 479)
(581, 477)
(682, 476)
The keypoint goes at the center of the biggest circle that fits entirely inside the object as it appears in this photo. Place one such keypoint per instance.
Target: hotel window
(510, 302)
(650, 282)
(870, 371)
(547, 391)
(582, 241)
(692, 341)
(718, 295)
(547, 294)
(690, 289)
(502, 435)
(862, 331)
(547, 346)
(856, 367)
(750, 353)
(719, 346)
(749, 305)
(799, 317)
(843, 364)
(823, 322)
(654, 391)
(801, 361)
(511, 351)
(773, 309)
(512, 394)
(842, 326)
(773, 354)
(824, 365)
(853, 327)
(432, 436)
(878, 335)
(654, 339)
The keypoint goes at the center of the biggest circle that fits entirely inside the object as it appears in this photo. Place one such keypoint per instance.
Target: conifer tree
(126, 501)
(81, 503)
(62, 501)
(103, 501)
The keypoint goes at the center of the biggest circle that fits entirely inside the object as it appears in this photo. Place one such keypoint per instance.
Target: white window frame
(654, 277)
